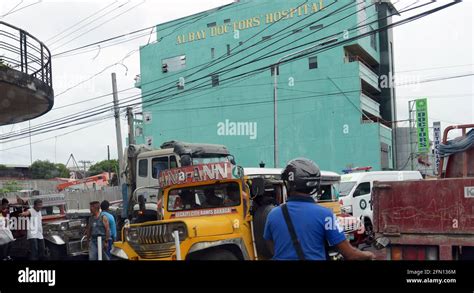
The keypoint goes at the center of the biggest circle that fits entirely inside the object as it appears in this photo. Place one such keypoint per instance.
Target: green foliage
(103, 166)
(47, 170)
(3, 167)
(10, 186)
(3, 63)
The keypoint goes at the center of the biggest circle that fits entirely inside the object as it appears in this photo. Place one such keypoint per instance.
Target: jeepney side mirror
(258, 187)
(381, 242)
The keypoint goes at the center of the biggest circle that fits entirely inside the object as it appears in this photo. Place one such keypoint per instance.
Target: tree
(3, 63)
(10, 186)
(104, 166)
(47, 170)
(64, 172)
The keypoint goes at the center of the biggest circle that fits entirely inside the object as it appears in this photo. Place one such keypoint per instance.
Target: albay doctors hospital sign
(256, 21)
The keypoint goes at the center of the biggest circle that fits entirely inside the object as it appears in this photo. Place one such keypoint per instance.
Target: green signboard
(422, 125)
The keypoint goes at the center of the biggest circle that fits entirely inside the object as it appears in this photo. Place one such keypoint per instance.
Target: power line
(197, 16)
(19, 9)
(53, 137)
(265, 56)
(101, 24)
(84, 26)
(79, 22)
(431, 68)
(184, 24)
(209, 62)
(438, 79)
(133, 51)
(99, 113)
(9, 11)
(363, 35)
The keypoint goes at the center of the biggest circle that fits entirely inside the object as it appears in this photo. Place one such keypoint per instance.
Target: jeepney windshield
(204, 197)
(346, 187)
(51, 210)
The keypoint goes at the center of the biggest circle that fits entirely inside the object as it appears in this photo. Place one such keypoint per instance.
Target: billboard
(422, 126)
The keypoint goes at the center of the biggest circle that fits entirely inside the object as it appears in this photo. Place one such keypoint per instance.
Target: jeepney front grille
(154, 234)
(155, 241)
(157, 233)
(154, 251)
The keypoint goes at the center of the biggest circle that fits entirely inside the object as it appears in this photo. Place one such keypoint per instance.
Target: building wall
(319, 110)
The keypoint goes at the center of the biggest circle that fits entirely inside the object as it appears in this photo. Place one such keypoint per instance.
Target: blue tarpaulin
(457, 145)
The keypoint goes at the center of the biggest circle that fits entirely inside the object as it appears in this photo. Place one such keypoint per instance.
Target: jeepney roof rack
(196, 149)
(47, 199)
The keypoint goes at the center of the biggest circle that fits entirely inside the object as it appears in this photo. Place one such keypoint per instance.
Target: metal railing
(23, 52)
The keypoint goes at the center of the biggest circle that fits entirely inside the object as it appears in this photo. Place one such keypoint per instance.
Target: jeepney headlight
(63, 226)
(180, 227)
(131, 234)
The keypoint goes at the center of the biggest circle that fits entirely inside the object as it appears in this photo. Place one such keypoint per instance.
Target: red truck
(430, 219)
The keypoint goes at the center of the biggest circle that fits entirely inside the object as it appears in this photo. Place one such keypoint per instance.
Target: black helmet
(302, 175)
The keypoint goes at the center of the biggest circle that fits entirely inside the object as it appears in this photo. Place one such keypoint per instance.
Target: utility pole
(131, 133)
(108, 159)
(84, 164)
(118, 128)
(31, 148)
(276, 68)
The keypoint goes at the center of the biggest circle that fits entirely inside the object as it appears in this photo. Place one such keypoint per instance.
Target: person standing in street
(6, 237)
(34, 234)
(98, 227)
(104, 206)
(300, 228)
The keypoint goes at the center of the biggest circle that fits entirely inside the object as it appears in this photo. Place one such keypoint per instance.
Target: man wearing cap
(300, 228)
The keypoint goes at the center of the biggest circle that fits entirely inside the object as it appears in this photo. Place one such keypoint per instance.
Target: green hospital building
(209, 78)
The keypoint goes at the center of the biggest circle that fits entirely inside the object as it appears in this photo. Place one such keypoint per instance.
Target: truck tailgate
(443, 206)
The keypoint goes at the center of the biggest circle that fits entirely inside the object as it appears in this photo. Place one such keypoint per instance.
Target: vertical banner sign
(422, 125)
(437, 141)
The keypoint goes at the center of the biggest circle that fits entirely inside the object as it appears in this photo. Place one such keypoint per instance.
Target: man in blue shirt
(314, 225)
(104, 206)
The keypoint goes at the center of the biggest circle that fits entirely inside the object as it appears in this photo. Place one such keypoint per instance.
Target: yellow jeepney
(214, 211)
(205, 216)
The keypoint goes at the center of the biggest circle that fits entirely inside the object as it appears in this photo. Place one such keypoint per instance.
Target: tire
(259, 220)
(369, 231)
(55, 252)
(214, 254)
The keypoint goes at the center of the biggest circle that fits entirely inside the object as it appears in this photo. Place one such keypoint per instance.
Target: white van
(355, 191)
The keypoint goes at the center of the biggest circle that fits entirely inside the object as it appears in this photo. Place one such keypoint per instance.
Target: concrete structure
(26, 90)
(407, 151)
(10, 171)
(210, 79)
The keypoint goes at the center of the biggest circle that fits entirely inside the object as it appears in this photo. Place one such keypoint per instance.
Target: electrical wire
(350, 40)
(79, 22)
(71, 34)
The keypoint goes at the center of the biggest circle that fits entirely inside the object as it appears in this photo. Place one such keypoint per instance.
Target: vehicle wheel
(55, 252)
(259, 220)
(369, 231)
(215, 254)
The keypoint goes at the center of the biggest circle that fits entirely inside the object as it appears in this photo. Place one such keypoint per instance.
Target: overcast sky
(440, 45)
